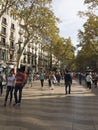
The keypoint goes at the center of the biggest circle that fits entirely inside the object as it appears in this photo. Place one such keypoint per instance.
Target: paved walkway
(52, 110)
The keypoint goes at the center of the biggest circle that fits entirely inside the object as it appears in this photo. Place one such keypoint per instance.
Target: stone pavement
(52, 110)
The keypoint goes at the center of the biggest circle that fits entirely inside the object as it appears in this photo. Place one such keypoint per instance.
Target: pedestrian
(68, 81)
(89, 80)
(50, 79)
(20, 80)
(58, 78)
(1, 86)
(80, 77)
(10, 87)
(95, 79)
(42, 77)
(3, 75)
(30, 79)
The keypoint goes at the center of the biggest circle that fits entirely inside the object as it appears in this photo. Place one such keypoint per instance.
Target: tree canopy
(88, 39)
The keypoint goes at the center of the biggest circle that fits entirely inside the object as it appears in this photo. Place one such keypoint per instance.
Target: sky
(67, 11)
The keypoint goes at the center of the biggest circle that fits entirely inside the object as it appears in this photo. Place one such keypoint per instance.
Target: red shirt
(20, 79)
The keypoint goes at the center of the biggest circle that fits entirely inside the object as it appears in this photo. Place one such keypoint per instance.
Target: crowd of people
(89, 78)
(15, 82)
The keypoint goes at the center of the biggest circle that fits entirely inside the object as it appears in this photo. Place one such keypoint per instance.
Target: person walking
(58, 78)
(49, 79)
(10, 87)
(89, 80)
(68, 81)
(20, 80)
(30, 79)
(95, 79)
(1, 86)
(42, 77)
(80, 77)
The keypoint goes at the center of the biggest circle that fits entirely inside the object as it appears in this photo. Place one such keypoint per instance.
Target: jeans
(68, 85)
(42, 83)
(18, 98)
(9, 90)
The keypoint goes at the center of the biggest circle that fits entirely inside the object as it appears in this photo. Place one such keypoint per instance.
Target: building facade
(11, 41)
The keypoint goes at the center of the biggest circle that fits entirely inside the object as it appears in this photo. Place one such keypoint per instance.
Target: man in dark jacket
(68, 81)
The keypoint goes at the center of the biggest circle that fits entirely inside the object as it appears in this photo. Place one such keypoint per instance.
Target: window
(3, 30)
(3, 41)
(12, 44)
(4, 21)
(12, 26)
(4, 55)
(11, 56)
(12, 35)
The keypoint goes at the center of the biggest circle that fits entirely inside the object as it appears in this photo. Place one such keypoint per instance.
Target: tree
(9, 5)
(89, 44)
(91, 3)
(88, 39)
(64, 52)
(38, 19)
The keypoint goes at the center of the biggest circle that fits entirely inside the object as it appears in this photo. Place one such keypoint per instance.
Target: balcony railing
(12, 47)
(3, 33)
(4, 45)
(12, 38)
(4, 23)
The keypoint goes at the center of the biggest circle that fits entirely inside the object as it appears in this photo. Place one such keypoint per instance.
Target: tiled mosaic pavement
(52, 110)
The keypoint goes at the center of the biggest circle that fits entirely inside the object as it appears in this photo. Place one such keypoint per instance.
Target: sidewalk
(52, 110)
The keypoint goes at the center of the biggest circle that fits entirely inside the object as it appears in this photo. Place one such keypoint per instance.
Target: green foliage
(91, 3)
(37, 17)
(64, 51)
(89, 44)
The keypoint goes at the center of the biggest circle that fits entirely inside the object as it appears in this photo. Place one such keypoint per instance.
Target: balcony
(4, 34)
(12, 29)
(12, 38)
(12, 47)
(4, 45)
(4, 23)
